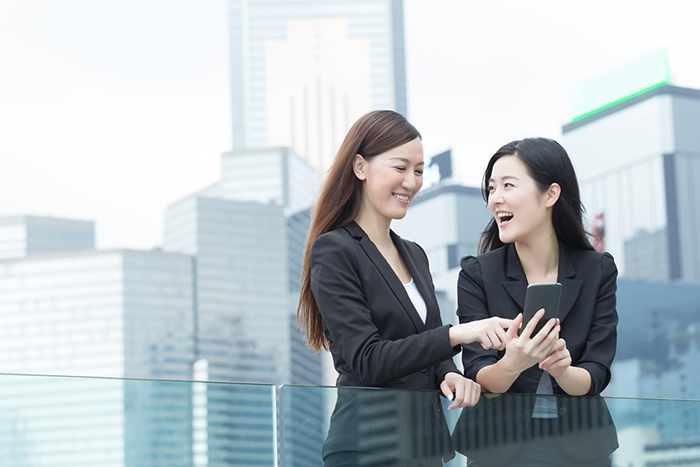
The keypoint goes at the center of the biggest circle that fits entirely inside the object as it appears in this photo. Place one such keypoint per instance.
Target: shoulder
(489, 259)
(486, 264)
(585, 256)
(590, 260)
(336, 242)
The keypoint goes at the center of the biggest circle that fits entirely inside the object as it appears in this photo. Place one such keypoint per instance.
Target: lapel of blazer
(390, 277)
(516, 284)
(570, 286)
(516, 281)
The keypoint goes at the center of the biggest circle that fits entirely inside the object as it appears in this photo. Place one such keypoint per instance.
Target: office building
(22, 236)
(116, 313)
(247, 243)
(658, 340)
(303, 72)
(637, 161)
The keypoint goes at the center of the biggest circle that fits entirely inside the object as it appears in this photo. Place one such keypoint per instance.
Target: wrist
(508, 368)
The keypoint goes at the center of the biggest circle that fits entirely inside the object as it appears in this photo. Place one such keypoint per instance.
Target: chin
(505, 238)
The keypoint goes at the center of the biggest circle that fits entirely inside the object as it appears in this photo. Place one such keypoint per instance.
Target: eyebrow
(403, 159)
(505, 177)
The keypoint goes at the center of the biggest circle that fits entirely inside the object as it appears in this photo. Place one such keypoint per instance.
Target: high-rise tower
(303, 71)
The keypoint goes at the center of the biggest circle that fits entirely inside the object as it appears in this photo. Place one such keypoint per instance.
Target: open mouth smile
(401, 197)
(504, 217)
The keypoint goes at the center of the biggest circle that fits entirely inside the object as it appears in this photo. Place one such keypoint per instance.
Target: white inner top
(417, 299)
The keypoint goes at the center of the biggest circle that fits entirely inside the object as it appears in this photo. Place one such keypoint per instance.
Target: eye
(400, 169)
(419, 171)
(490, 188)
(508, 185)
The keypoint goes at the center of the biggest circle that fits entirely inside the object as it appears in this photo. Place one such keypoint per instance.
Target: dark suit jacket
(376, 335)
(377, 339)
(494, 284)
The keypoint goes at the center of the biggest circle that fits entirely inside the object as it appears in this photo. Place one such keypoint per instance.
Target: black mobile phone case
(538, 296)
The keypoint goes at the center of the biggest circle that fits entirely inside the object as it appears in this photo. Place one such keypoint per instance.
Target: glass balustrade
(82, 421)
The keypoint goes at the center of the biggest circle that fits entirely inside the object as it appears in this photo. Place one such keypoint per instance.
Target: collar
(516, 285)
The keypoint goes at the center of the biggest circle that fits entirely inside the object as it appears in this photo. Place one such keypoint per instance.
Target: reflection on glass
(74, 421)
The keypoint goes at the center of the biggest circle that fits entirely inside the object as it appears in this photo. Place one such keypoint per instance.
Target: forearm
(575, 381)
(497, 378)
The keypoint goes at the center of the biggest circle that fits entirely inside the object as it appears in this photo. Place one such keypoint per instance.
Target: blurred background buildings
(217, 301)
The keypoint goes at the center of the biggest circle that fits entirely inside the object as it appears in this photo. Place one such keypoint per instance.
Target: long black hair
(547, 162)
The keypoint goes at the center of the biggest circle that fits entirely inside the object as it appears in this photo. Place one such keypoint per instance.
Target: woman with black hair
(536, 235)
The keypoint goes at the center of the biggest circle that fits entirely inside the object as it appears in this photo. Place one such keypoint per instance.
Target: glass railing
(79, 421)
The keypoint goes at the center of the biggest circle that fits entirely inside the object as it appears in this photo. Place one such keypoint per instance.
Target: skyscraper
(303, 71)
(246, 233)
(113, 313)
(638, 161)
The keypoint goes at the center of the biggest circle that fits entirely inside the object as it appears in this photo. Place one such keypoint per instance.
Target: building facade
(102, 314)
(303, 71)
(22, 236)
(246, 234)
(637, 162)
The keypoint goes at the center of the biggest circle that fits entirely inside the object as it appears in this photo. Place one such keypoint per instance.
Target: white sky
(112, 109)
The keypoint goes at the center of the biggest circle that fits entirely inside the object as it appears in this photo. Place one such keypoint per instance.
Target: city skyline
(95, 111)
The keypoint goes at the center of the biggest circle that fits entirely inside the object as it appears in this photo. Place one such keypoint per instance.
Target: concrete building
(22, 236)
(247, 243)
(303, 72)
(637, 161)
(116, 313)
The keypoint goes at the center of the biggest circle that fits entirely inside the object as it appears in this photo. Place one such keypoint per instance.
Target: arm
(497, 371)
(591, 373)
(472, 306)
(343, 303)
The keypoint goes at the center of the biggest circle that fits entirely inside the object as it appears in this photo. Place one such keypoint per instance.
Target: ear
(553, 193)
(359, 166)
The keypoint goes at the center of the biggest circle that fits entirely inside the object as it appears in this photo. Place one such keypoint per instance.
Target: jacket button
(562, 410)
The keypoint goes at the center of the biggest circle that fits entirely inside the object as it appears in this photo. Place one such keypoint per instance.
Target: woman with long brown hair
(367, 294)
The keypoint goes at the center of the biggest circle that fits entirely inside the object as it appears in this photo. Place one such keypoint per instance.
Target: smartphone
(545, 295)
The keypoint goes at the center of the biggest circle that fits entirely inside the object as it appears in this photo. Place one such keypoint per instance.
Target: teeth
(505, 214)
(402, 197)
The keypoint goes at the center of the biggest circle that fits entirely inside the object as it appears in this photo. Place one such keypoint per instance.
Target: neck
(376, 229)
(540, 259)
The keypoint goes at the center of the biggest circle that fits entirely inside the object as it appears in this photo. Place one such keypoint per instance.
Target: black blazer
(494, 284)
(377, 339)
(376, 335)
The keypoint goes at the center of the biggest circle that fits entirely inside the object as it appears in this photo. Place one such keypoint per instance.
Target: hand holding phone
(544, 295)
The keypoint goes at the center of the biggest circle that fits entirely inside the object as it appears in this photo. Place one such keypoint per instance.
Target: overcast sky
(112, 109)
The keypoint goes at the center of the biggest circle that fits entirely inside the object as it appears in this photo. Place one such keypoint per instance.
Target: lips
(504, 216)
(403, 198)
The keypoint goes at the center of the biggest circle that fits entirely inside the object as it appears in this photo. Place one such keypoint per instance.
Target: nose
(495, 197)
(410, 181)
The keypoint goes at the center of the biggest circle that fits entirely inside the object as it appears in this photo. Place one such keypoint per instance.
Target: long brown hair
(339, 202)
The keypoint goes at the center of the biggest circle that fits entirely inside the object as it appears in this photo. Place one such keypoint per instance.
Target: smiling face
(391, 179)
(522, 212)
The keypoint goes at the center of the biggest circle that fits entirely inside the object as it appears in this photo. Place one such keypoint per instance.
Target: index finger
(505, 323)
(527, 332)
(514, 325)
